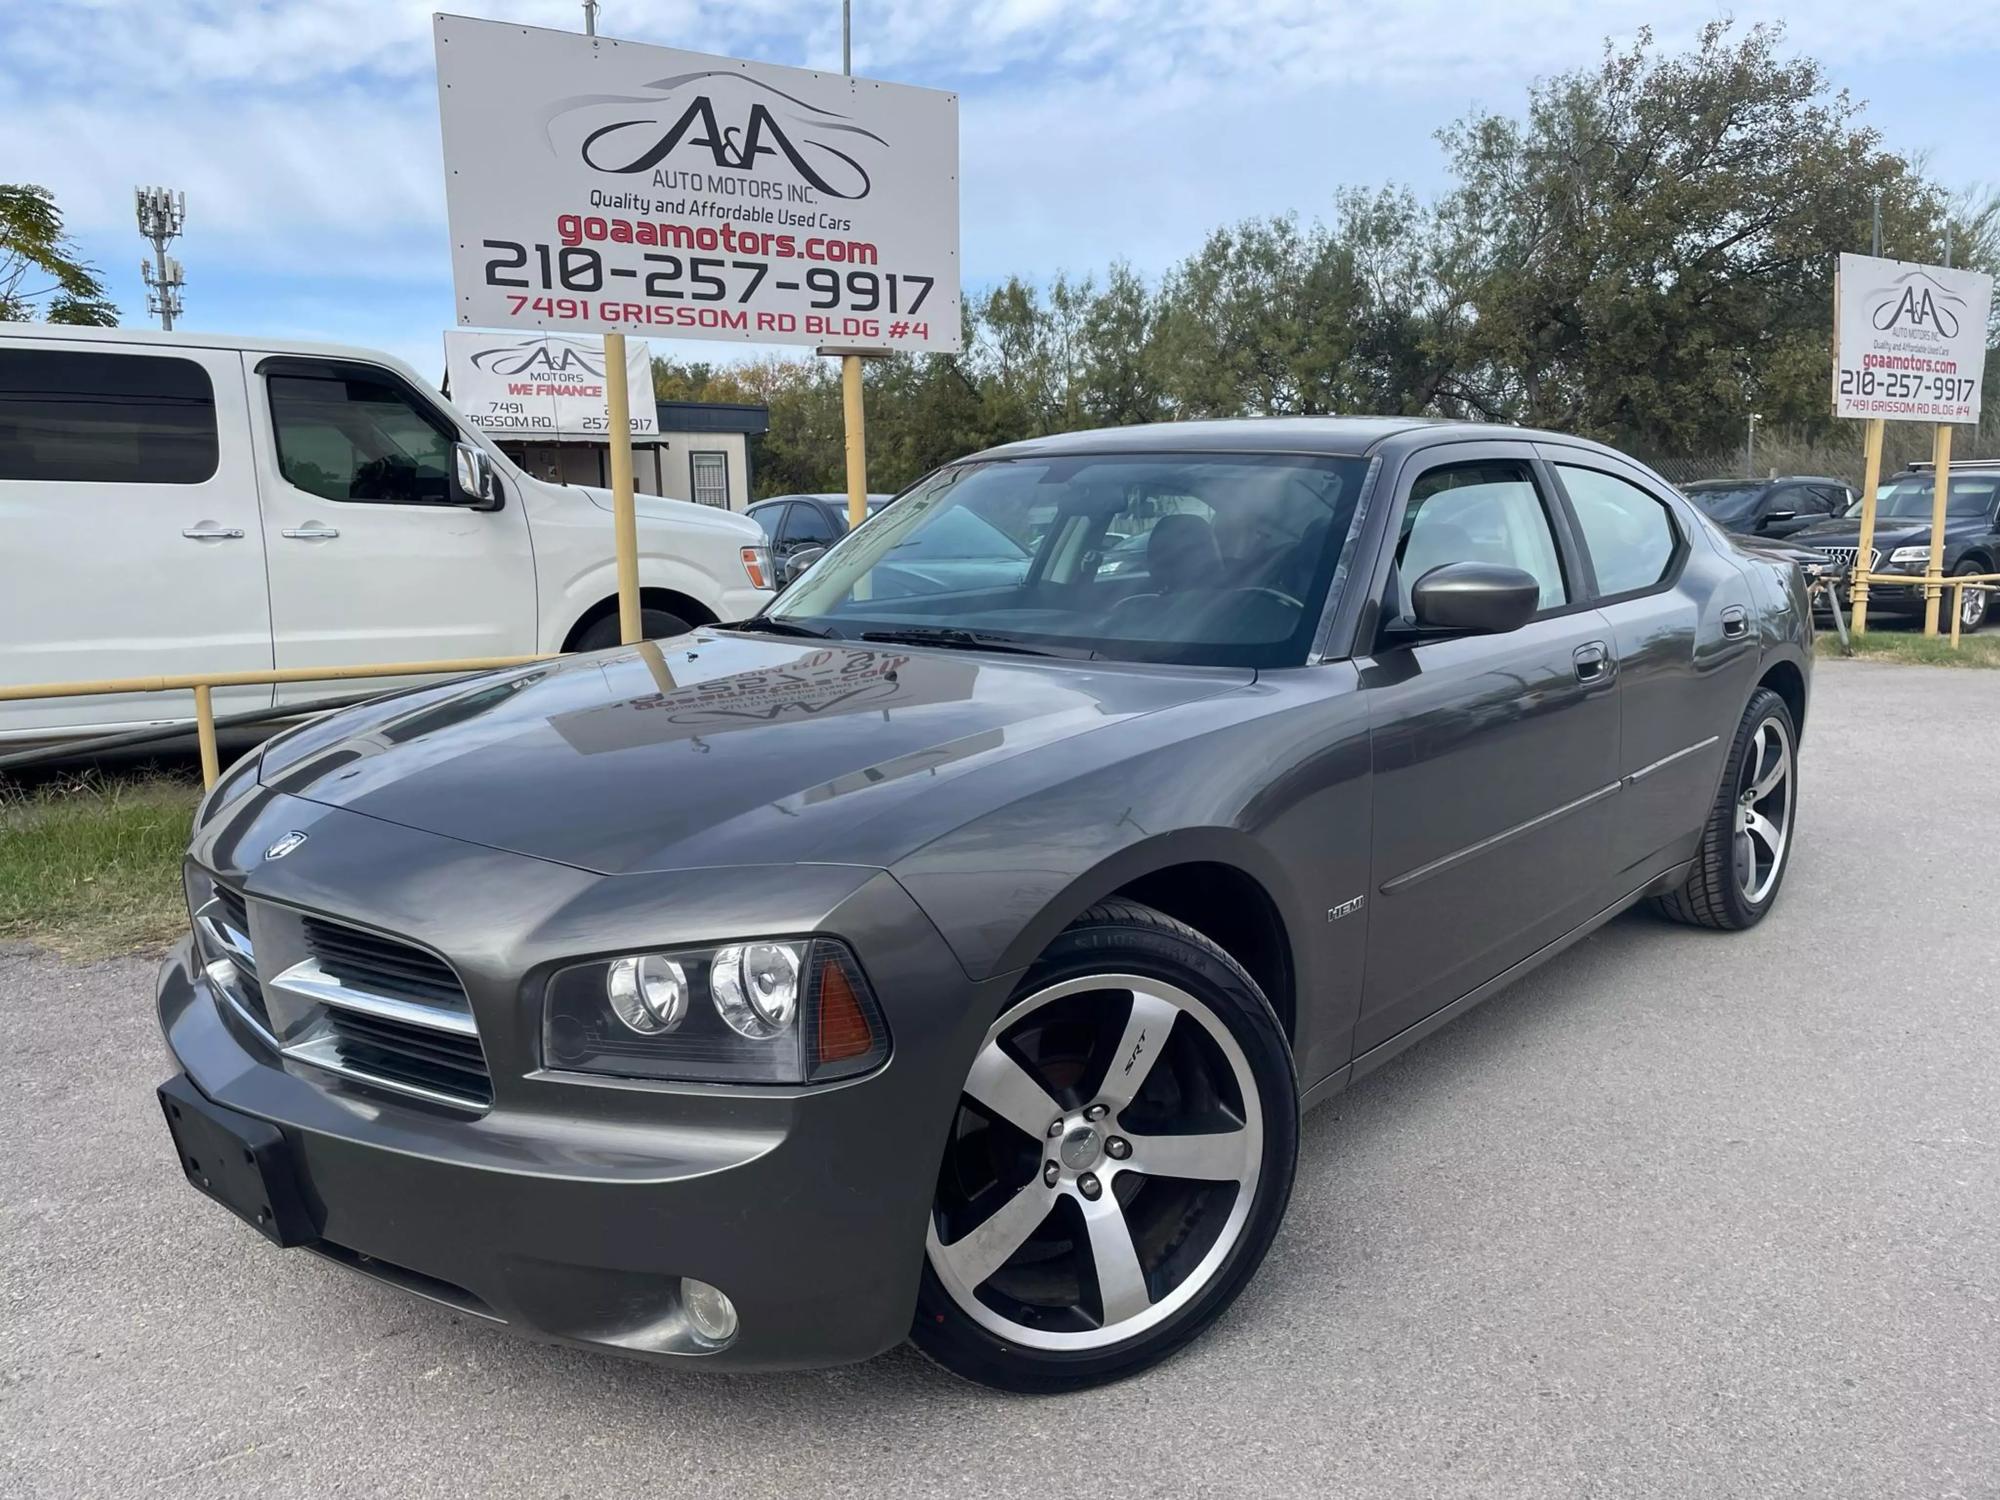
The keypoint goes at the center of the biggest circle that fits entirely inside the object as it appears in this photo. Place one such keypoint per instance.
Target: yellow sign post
(624, 511)
(854, 418)
(1934, 570)
(1871, 480)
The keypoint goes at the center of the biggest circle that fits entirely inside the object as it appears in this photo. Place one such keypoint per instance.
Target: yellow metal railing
(203, 684)
(1933, 586)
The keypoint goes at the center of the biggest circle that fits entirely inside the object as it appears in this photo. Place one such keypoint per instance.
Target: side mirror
(1473, 598)
(794, 563)
(478, 485)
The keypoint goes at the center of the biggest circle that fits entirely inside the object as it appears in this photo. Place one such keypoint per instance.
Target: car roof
(153, 338)
(1353, 437)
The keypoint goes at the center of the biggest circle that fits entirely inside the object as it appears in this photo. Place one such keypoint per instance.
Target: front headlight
(1911, 555)
(796, 1010)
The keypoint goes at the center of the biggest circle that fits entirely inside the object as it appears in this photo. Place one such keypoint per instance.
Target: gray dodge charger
(949, 951)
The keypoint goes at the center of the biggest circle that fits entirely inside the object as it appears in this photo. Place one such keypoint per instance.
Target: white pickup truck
(175, 503)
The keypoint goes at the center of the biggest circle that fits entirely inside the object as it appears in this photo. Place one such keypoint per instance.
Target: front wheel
(1119, 1161)
(1747, 841)
(654, 625)
(1972, 602)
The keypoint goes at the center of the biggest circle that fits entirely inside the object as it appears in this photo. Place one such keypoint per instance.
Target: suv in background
(794, 523)
(183, 502)
(1902, 542)
(1770, 507)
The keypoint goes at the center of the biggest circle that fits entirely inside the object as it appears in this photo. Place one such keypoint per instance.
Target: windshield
(1201, 559)
(1911, 499)
(1726, 502)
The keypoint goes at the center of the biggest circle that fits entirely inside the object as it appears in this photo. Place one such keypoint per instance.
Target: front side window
(359, 438)
(1726, 504)
(77, 416)
(1201, 559)
(708, 478)
(807, 526)
(1478, 512)
(768, 516)
(1629, 535)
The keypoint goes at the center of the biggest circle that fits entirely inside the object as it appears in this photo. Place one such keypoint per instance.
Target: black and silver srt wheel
(1119, 1161)
(1747, 841)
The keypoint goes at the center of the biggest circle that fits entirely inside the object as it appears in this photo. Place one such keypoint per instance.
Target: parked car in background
(950, 951)
(798, 528)
(1902, 542)
(177, 503)
(1770, 507)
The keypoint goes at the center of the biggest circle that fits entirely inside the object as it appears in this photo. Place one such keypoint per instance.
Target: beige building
(701, 453)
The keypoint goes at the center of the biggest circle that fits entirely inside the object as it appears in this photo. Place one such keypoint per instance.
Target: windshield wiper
(960, 639)
(776, 626)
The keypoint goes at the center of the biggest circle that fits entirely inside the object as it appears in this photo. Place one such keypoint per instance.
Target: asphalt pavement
(1680, 1214)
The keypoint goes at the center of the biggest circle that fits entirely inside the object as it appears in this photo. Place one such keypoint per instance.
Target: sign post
(608, 187)
(1909, 345)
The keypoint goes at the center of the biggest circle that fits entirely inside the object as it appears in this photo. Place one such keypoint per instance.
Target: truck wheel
(656, 624)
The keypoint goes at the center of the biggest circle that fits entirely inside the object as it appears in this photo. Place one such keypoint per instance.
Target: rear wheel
(1120, 1158)
(1748, 839)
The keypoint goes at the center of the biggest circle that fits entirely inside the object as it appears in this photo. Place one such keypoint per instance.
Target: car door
(129, 536)
(1789, 508)
(1494, 757)
(373, 557)
(1681, 623)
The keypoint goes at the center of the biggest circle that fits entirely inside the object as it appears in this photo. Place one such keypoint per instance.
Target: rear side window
(105, 418)
(1629, 535)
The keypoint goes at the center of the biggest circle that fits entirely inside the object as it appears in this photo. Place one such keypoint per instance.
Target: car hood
(722, 749)
(684, 513)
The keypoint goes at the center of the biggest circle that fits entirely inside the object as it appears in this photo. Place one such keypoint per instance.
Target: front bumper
(572, 1208)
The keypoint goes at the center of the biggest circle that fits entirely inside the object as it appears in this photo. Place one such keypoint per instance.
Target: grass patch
(90, 867)
(1911, 647)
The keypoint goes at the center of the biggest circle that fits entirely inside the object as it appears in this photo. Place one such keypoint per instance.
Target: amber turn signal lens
(843, 1028)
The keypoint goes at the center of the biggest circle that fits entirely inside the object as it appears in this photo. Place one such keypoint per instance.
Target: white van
(175, 503)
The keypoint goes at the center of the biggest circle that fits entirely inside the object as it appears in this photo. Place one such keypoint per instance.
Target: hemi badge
(1352, 904)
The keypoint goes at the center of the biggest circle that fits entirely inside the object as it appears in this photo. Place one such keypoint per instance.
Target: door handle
(208, 531)
(312, 532)
(1593, 661)
(1735, 622)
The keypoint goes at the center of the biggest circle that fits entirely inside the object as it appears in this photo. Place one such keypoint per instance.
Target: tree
(40, 274)
(1652, 249)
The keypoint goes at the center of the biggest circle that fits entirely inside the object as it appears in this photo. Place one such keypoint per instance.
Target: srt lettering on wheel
(949, 950)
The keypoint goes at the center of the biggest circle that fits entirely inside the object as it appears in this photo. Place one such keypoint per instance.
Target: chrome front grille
(369, 1008)
(1845, 556)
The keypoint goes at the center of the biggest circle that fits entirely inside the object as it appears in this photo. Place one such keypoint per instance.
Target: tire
(1026, 1282)
(654, 624)
(1720, 891)
(1973, 604)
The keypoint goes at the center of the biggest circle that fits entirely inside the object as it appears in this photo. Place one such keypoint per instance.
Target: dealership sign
(606, 187)
(544, 384)
(1909, 340)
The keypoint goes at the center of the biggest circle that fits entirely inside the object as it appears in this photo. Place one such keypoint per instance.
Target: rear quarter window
(77, 416)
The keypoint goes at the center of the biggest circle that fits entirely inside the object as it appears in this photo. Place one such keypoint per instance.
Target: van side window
(354, 437)
(105, 418)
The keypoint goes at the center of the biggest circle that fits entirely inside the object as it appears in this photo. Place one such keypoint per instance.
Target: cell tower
(162, 212)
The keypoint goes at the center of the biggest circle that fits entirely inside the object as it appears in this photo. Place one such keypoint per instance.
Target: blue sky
(305, 131)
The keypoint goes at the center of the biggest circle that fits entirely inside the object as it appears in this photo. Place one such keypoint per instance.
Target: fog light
(709, 1309)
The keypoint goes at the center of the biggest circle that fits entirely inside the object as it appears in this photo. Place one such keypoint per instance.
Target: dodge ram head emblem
(285, 845)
